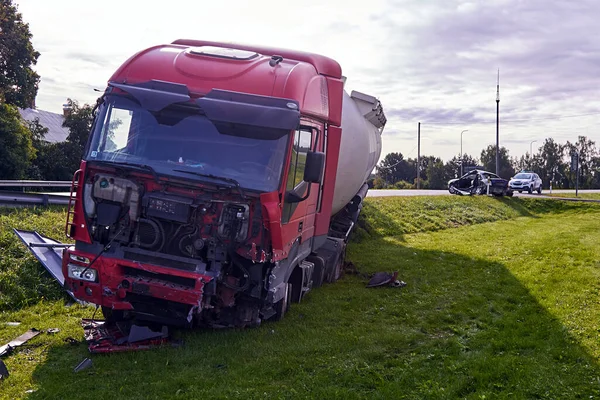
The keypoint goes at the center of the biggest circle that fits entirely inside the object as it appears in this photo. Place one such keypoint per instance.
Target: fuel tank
(363, 121)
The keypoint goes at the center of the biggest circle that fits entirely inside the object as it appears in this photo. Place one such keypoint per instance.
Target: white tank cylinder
(362, 124)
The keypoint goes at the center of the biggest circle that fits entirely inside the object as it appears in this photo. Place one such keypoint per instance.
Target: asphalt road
(427, 192)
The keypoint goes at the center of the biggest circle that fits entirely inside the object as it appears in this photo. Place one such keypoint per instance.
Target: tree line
(24, 154)
(552, 162)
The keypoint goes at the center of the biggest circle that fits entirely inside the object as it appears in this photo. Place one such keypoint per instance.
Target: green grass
(595, 196)
(22, 280)
(394, 216)
(504, 309)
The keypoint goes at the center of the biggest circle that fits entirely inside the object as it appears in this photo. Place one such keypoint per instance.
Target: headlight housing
(75, 271)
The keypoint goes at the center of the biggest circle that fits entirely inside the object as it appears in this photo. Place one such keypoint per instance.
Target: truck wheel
(283, 305)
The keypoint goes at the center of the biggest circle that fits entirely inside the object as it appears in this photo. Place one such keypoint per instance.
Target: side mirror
(315, 164)
(293, 197)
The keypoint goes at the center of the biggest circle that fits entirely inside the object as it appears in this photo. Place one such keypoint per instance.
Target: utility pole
(419, 156)
(498, 125)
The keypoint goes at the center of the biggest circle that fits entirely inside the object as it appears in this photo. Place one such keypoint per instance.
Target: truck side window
(295, 180)
(302, 145)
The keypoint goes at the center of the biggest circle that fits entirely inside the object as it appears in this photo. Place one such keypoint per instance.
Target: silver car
(529, 181)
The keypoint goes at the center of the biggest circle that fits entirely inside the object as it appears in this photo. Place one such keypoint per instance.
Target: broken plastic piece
(53, 330)
(138, 333)
(382, 278)
(85, 364)
(3, 371)
(7, 348)
(103, 337)
(12, 323)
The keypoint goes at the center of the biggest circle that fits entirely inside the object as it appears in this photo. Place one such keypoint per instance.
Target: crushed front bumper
(153, 292)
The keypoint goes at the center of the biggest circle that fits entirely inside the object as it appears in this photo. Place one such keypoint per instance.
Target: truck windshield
(176, 140)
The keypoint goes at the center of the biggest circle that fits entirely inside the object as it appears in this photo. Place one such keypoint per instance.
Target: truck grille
(156, 259)
(177, 280)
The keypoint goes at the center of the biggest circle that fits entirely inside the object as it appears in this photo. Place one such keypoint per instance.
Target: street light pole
(498, 124)
(461, 156)
(419, 156)
(531, 151)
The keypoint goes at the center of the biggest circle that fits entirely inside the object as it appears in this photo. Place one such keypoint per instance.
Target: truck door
(298, 217)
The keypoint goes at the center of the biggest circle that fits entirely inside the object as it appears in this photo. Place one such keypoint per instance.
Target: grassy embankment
(504, 309)
(593, 196)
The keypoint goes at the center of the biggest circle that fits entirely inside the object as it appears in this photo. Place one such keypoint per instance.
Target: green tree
(595, 166)
(379, 183)
(426, 161)
(394, 168)
(38, 133)
(58, 161)
(16, 149)
(488, 161)
(587, 151)
(453, 166)
(79, 121)
(549, 164)
(18, 81)
(438, 174)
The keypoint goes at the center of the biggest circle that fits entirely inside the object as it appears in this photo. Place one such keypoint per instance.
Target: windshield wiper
(211, 176)
(145, 167)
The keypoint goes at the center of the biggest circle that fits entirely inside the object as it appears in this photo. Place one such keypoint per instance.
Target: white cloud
(423, 59)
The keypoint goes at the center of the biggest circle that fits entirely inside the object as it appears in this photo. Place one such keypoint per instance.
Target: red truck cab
(205, 192)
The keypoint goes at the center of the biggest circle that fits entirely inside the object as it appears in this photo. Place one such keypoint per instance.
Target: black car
(479, 181)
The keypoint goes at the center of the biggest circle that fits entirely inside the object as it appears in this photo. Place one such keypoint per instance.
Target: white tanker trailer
(362, 124)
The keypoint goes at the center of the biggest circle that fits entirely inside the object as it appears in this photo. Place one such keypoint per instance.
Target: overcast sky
(433, 62)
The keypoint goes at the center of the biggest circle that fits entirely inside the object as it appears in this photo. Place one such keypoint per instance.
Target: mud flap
(49, 254)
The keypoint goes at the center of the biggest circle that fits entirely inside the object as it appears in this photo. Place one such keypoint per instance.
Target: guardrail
(8, 198)
(24, 198)
(27, 183)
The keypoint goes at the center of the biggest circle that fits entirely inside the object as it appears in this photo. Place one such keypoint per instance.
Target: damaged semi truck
(219, 184)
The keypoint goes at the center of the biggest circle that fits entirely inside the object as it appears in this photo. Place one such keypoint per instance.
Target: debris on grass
(19, 341)
(85, 364)
(3, 371)
(385, 279)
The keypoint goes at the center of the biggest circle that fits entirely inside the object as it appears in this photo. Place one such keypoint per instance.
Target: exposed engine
(190, 234)
(160, 222)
